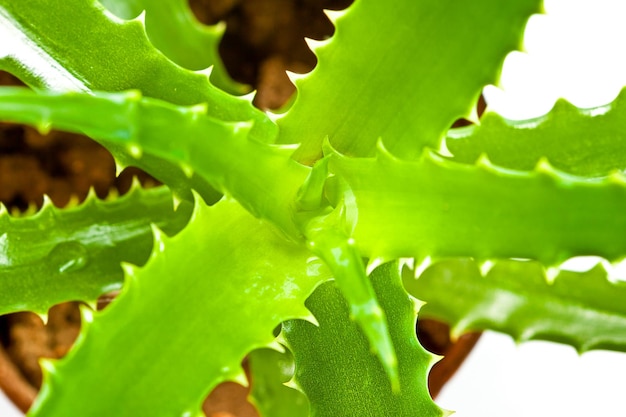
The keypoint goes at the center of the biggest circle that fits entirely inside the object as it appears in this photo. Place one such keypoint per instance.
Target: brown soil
(263, 39)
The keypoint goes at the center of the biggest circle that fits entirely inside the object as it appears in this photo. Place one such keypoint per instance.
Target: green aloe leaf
(270, 370)
(582, 309)
(439, 208)
(384, 74)
(586, 142)
(98, 51)
(206, 298)
(68, 254)
(264, 178)
(48, 53)
(174, 30)
(335, 367)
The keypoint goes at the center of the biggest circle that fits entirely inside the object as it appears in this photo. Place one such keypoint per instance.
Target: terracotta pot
(435, 336)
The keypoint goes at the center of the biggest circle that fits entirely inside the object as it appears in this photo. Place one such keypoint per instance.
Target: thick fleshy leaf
(174, 30)
(335, 367)
(261, 177)
(586, 142)
(404, 73)
(265, 180)
(270, 370)
(435, 207)
(206, 298)
(68, 254)
(583, 309)
(98, 51)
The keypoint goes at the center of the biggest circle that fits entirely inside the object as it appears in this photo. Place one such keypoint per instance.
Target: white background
(576, 51)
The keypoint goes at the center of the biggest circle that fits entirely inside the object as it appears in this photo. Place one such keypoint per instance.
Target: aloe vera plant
(318, 232)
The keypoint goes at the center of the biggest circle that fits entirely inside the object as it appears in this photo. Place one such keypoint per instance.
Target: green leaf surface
(68, 254)
(173, 29)
(261, 177)
(582, 309)
(270, 370)
(585, 142)
(99, 51)
(439, 208)
(206, 298)
(335, 367)
(264, 179)
(404, 73)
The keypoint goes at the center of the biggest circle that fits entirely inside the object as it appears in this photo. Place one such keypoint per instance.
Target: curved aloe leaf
(206, 298)
(68, 254)
(98, 51)
(174, 30)
(586, 142)
(335, 367)
(583, 309)
(383, 74)
(436, 207)
(123, 59)
(270, 370)
(262, 177)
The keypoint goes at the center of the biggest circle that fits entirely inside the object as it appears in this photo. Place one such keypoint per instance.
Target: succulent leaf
(264, 178)
(173, 29)
(440, 208)
(334, 364)
(582, 309)
(206, 298)
(74, 253)
(585, 142)
(398, 50)
(99, 51)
